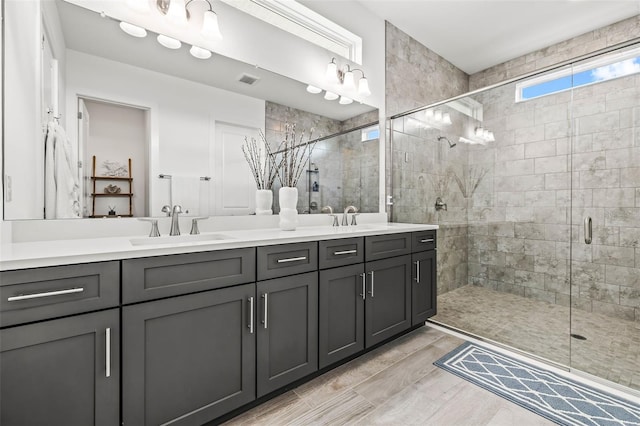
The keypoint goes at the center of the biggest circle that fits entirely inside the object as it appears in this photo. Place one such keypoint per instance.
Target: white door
(233, 184)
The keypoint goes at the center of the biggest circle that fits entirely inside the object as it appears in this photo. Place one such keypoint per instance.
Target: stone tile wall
(557, 159)
(417, 76)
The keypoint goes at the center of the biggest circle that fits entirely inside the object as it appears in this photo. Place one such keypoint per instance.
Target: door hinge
(80, 115)
(79, 164)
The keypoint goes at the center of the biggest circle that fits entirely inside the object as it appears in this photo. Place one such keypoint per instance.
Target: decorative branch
(440, 183)
(261, 161)
(295, 155)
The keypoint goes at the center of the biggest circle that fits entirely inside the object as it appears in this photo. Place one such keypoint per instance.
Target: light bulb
(330, 96)
(133, 30)
(332, 73)
(345, 101)
(348, 82)
(313, 89)
(138, 5)
(446, 118)
(363, 87)
(168, 42)
(210, 27)
(177, 12)
(199, 52)
(437, 115)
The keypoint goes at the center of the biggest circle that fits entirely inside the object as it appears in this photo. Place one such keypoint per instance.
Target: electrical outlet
(8, 190)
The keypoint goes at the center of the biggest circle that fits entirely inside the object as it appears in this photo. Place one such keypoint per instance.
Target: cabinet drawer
(30, 295)
(423, 240)
(155, 277)
(287, 259)
(390, 245)
(347, 251)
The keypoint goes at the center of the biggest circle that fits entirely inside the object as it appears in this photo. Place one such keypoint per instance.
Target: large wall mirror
(129, 116)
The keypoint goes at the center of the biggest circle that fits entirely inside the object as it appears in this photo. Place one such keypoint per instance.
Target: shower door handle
(588, 230)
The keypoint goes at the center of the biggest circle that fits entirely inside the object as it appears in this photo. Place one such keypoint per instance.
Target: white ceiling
(477, 34)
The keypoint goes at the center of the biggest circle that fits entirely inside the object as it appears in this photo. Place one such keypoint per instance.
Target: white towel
(185, 191)
(62, 192)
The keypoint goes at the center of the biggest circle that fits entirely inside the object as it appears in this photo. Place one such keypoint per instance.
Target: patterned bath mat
(546, 393)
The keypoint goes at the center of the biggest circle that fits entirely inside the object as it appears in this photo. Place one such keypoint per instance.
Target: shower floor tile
(611, 349)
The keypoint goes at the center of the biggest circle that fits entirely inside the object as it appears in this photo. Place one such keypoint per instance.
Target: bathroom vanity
(187, 332)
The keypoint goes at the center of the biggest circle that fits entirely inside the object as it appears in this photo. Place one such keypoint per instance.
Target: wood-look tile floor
(395, 384)
(611, 349)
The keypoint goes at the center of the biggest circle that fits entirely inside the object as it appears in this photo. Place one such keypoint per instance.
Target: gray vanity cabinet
(61, 372)
(341, 320)
(424, 286)
(287, 330)
(188, 359)
(388, 300)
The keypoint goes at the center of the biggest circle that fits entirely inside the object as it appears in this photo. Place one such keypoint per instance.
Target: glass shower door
(605, 217)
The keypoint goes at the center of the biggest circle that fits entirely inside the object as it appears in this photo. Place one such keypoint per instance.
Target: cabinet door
(388, 302)
(341, 332)
(61, 372)
(287, 330)
(188, 359)
(424, 286)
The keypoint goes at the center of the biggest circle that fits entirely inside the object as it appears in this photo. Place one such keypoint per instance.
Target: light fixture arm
(186, 6)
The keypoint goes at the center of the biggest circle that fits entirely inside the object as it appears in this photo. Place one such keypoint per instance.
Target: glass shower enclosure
(535, 184)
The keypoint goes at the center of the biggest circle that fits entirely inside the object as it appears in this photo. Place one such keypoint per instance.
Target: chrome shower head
(451, 144)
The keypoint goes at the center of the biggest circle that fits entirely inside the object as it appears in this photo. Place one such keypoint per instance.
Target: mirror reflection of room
(126, 100)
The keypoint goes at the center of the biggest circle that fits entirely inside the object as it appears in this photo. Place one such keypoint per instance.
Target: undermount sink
(177, 239)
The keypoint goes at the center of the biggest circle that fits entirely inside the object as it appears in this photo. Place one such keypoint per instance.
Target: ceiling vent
(248, 79)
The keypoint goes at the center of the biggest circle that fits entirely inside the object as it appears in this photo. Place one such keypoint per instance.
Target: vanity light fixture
(437, 117)
(168, 42)
(484, 134)
(313, 89)
(199, 52)
(344, 100)
(133, 30)
(330, 96)
(177, 12)
(345, 77)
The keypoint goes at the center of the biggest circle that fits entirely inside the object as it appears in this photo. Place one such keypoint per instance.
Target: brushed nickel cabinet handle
(108, 352)
(251, 315)
(417, 262)
(428, 240)
(337, 253)
(588, 230)
(292, 259)
(45, 294)
(266, 307)
(364, 285)
(372, 283)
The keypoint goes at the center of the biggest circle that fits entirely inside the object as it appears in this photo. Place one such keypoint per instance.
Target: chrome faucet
(348, 209)
(175, 225)
(329, 209)
(166, 209)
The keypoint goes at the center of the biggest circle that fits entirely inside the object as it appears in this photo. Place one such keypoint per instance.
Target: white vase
(288, 198)
(264, 202)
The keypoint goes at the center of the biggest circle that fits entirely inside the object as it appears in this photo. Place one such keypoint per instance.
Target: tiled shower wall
(417, 76)
(520, 233)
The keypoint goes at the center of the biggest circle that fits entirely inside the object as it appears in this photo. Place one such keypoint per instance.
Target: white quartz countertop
(64, 252)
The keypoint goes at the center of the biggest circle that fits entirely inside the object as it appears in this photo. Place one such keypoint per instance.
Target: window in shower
(370, 133)
(598, 70)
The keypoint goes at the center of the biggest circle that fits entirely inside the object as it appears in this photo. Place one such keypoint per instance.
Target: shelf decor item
(264, 170)
(294, 156)
(113, 173)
